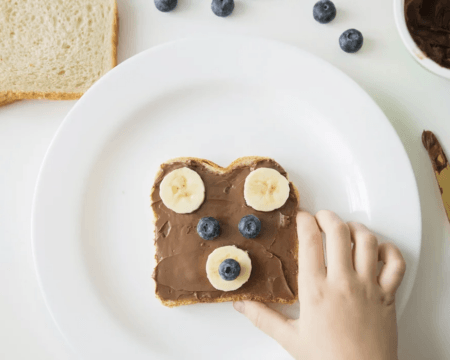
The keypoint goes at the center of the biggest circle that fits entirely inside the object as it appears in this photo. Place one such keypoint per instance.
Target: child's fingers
(338, 242)
(365, 251)
(310, 249)
(270, 321)
(394, 267)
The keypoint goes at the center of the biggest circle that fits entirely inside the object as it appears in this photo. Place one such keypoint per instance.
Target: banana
(182, 190)
(217, 257)
(266, 189)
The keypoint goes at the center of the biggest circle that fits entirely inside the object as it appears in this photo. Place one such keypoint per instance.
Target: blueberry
(249, 226)
(166, 5)
(351, 41)
(324, 11)
(222, 8)
(208, 228)
(229, 269)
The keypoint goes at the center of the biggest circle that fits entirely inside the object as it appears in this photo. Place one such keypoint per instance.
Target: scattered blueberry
(249, 226)
(324, 11)
(351, 41)
(222, 8)
(229, 269)
(208, 228)
(166, 5)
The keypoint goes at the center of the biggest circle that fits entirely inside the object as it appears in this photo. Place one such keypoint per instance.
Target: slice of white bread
(55, 49)
(289, 244)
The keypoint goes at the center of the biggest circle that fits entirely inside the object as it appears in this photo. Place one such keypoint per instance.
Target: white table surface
(412, 98)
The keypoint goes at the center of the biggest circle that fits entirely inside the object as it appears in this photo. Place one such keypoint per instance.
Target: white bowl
(419, 55)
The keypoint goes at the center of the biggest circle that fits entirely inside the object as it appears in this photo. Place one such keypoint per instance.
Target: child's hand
(346, 311)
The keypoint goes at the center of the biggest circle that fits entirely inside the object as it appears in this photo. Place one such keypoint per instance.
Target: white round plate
(218, 99)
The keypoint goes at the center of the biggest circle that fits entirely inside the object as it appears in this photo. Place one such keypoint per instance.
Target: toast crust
(247, 161)
(19, 95)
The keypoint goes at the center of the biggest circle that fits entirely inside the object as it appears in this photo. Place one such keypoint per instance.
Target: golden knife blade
(440, 165)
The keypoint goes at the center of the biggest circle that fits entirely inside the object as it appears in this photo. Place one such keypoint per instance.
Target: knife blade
(441, 167)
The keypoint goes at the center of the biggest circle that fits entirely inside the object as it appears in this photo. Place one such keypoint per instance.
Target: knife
(440, 165)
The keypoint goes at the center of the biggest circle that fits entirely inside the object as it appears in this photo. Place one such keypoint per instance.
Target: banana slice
(182, 190)
(217, 257)
(266, 189)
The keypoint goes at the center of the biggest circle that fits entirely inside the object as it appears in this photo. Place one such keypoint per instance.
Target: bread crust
(18, 95)
(115, 37)
(7, 102)
(246, 161)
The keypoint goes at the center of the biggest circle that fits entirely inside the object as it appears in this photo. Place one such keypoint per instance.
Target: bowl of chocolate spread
(424, 26)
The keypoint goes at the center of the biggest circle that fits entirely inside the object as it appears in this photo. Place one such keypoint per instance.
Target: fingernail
(239, 306)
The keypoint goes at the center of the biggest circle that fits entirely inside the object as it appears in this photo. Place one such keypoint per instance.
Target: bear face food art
(225, 234)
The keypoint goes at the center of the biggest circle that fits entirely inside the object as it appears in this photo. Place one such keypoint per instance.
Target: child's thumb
(271, 322)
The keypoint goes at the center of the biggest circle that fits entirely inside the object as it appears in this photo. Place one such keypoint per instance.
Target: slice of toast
(55, 49)
(181, 254)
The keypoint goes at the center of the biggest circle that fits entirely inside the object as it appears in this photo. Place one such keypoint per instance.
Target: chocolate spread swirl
(428, 22)
(181, 253)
